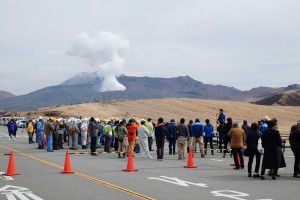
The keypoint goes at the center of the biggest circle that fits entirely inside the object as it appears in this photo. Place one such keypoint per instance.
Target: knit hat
(172, 121)
(235, 123)
(197, 120)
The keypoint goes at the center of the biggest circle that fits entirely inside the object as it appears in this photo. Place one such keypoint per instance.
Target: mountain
(4, 94)
(287, 98)
(83, 87)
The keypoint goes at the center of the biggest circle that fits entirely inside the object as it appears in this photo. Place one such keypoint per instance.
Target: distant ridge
(287, 98)
(4, 94)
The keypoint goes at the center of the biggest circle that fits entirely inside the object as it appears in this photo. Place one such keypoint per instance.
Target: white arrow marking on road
(177, 181)
(229, 194)
(7, 178)
(21, 193)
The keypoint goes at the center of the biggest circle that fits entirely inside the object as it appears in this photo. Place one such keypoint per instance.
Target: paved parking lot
(102, 177)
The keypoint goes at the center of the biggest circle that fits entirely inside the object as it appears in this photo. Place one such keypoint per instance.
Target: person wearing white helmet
(73, 134)
(143, 134)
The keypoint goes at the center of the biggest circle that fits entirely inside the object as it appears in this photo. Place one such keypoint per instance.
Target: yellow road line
(141, 196)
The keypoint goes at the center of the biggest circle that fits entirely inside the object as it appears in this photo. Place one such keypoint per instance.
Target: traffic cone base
(11, 166)
(67, 167)
(130, 167)
(190, 161)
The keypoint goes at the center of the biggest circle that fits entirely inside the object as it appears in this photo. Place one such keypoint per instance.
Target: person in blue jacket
(208, 135)
(171, 136)
(12, 129)
(197, 132)
(222, 116)
(40, 131)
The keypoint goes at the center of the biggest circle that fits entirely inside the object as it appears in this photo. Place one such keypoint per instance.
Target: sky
(238, 43)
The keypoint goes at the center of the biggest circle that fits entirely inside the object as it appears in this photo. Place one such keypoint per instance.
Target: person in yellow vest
(30, 129)
(107, 132)
(150, 128)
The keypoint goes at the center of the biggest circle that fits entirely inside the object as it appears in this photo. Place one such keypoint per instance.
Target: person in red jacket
(131, 135)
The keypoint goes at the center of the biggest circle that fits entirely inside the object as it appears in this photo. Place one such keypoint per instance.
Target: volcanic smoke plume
(104, 53)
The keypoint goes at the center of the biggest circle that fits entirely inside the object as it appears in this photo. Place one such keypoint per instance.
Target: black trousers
(206, 140)
(257, 159)
(236, 152)
(93, 144)
(297, 160)
(55, 140)
(160, 143)
(150, 142)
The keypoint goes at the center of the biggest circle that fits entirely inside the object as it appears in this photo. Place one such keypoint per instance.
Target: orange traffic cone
(130, 167)
(67, 167)
(190, 161)
(11, 166)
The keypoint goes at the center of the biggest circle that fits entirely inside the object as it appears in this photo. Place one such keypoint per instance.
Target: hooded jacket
(208, 130)
(197, 130)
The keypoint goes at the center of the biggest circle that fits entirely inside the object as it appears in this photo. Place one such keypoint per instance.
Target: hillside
(175, 108)
(288, 98)
(80, 89)
(4, 94)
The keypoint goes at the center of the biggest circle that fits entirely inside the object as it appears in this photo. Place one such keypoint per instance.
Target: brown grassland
(177, 108)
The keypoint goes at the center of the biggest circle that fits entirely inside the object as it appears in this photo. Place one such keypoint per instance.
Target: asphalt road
(102, 177)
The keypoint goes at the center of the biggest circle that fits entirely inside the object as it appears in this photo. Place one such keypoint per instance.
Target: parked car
(22, 123)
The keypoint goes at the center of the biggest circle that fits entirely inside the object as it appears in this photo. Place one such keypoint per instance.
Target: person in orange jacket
(131, 135)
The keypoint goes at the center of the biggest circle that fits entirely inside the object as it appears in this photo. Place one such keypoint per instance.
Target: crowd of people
(125, 136)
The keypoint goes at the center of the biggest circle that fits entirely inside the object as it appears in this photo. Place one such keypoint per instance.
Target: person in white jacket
(143, 134)
(84, 128)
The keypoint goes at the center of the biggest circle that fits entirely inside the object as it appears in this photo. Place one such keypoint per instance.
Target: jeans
(49, 143)
(40, 138)
(172, 145)
(160, 143)
(74, 137)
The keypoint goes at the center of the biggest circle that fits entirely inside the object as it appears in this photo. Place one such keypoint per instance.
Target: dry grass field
(177, 108)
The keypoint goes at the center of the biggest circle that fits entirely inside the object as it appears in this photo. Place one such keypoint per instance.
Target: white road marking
(216, 160)
(14, 192)
(177, 181)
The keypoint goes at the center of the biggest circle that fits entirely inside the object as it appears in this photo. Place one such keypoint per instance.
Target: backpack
(72, 129)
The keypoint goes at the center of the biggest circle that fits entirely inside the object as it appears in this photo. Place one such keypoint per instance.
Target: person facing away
(143, 134)
(252, 142)
(108, 136)
(237, 141)
(295, 146)
(197, 131)
(30, 129)
(49, 128)
(273, 156)
(150, 128)
(84, 129)
(171, 136)
(93, 132)
(40, 132)
(131, 135)
(263, 126)
(228, 127)
(222, 136)
(160, 135)
(246, 127)
(182, 137)
(12, 129)
(122, 138)
(208, 135)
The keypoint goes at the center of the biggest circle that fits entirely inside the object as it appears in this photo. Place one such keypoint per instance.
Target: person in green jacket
(121, 134)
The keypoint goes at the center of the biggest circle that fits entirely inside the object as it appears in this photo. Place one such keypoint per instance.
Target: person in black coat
(295, 146)
(252, 142)
(226, 139)
(273, 156)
